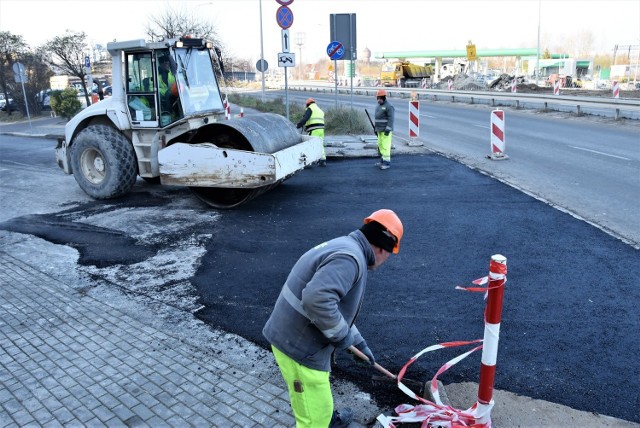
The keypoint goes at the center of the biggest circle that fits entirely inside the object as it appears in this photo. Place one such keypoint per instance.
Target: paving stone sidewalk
(68, 359)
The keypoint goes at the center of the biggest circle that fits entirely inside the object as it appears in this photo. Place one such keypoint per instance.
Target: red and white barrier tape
(439, 414)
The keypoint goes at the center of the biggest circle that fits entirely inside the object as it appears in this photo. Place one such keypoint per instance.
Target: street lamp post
(262, 52)
(300, 39)
(538, 53)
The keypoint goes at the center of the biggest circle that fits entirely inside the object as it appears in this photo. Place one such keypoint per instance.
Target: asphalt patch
(569, 320)
(97, 246)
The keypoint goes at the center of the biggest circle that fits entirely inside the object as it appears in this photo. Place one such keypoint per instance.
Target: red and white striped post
(241, 112)
(514, 86)
(615, 87)
(492, 315)
(227, 109)
(556, 87)
(450, 84)
(498, 143)
(414, 119)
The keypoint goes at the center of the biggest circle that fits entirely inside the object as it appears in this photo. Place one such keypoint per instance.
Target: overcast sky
(382, 25)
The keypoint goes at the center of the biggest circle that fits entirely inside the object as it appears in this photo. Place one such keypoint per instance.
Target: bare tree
(39, 72)
(67, 54)
(173, 23)
(585, 44)
(12, 47)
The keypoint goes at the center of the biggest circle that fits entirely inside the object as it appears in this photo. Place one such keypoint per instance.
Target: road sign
(471, 52)
(342, 26)
(284, 2)
(335, 50)
(262, 65)
(18, 68)
(284, 16)
(286, 41)
(19, 73)
(286, 59)
(87, 62)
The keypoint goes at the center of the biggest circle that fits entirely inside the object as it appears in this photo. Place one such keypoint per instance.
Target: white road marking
(600, 153)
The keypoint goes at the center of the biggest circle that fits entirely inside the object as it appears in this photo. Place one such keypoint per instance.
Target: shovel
(388, 376)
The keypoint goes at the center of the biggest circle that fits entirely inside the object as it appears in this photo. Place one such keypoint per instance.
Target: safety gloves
(362, 347)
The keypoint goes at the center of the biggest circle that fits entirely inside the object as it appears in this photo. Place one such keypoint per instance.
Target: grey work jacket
(384, 117)
(320, 300)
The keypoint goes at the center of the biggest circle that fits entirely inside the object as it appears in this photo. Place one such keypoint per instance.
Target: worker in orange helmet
(313, 122)
(383, 127)
(316, 311)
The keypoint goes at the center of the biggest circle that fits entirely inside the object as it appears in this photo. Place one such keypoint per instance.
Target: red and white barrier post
(227, 108)
(493, 314)
(615, 87)
(514, 86)
(450, 84)
(414, 120)
(241, 112)
(556, 87)
(497, 136)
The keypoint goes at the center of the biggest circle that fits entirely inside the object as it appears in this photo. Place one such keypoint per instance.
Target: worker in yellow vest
(384, 127)
(313, 122)
(166, 84)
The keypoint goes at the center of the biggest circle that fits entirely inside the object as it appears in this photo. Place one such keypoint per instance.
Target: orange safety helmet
(381, 93)
(309, 101)
(391, 222)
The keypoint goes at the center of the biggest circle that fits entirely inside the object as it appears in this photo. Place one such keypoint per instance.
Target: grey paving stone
(83, 363)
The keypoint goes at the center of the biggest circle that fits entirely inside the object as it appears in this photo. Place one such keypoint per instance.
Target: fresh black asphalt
(569, 331)
(570, 323)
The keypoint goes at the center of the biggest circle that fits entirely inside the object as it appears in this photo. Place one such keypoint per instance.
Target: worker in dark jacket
(316, 311)
(385, 113)
(313, 122)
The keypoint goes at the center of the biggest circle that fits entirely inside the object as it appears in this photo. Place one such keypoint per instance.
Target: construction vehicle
(405, 75)
(177, 132)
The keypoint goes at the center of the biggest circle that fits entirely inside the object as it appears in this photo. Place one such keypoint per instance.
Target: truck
(176, 131)
(405, 74)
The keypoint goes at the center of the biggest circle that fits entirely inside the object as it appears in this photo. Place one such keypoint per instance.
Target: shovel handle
(377, 366)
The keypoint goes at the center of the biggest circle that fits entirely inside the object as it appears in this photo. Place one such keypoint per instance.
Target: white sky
(382, 25)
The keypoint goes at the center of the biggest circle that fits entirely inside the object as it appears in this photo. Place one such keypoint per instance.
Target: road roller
(168, 122)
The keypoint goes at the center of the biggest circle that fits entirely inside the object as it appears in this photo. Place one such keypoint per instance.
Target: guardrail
(518, 100)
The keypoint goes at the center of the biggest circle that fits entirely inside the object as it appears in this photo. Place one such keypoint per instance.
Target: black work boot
(341, 418)
(323, 162)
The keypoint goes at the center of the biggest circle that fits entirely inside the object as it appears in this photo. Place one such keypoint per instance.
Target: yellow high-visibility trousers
(309, 392)
(384, 145)
(319, 133)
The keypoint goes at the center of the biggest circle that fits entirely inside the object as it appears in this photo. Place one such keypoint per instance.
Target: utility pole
(300, 39)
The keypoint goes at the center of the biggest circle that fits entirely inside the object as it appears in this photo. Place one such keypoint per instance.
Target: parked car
(4, 105)
(107, 90)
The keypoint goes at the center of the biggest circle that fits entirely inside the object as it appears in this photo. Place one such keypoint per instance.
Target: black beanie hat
(375, 234)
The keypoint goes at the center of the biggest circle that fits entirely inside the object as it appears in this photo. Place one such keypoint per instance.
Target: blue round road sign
(284, 16)
(335, 50)
(262, 65)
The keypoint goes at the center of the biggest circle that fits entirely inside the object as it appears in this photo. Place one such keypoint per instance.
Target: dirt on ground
(463, 82)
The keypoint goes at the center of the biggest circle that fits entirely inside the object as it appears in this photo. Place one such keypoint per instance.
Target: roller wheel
(227, 198)
(103, 162)
(151, 180)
